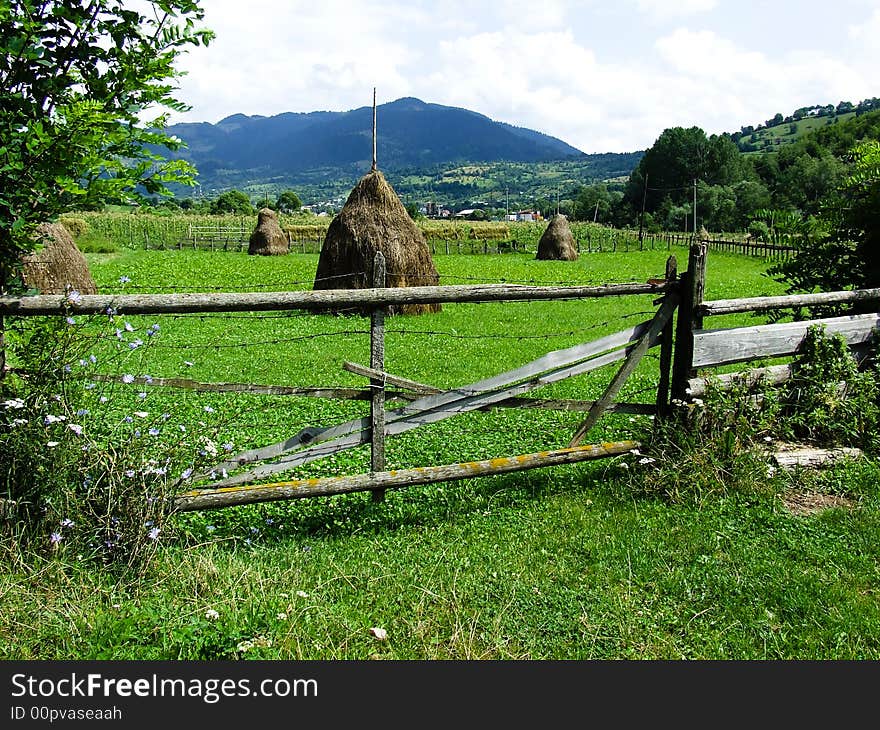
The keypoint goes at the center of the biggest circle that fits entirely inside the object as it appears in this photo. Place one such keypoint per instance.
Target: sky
(602, 75)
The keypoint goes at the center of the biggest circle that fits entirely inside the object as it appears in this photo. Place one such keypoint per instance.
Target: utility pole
(507, 203)
(596, 212)
(642, 216)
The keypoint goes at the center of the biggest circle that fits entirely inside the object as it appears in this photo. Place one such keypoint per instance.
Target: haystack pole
(373, 219)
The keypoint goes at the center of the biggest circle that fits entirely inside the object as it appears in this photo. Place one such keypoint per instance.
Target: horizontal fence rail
(759, 304)
(228, 496)
(324, 299)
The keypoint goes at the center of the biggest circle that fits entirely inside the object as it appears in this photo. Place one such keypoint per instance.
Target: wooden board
(725, 346)
(231, 495)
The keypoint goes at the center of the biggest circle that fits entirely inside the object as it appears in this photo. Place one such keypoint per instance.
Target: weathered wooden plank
(773, 375)
(249, 388)
(633, 357)
(389, 378)
(691, 289)
(666, 345)
(724, 346)
(201, 499)
(810, 457)
(377, 361)
(322, 299)
(758, 304)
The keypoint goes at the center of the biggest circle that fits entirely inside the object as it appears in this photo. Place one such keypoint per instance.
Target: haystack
(557, 243)
(268, 239)
(59, 266)
(373, 219)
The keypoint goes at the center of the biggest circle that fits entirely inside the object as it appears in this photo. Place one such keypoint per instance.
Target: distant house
(525, 215)
(464, 213)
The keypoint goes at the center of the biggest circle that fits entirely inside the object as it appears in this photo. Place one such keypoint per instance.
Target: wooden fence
(686, 348)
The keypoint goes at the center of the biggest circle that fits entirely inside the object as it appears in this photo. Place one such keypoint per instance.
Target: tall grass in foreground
(633, 557)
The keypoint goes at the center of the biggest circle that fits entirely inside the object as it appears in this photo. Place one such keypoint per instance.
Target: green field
(558, 563)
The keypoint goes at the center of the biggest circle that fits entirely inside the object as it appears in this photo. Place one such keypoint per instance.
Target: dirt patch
(803, 503)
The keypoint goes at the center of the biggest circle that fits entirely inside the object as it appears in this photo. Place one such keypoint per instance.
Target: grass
(560, 563)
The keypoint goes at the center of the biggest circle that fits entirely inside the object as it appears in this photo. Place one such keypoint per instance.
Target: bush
(829, 400)
(721, 443)
(75, 226)
(88, 470)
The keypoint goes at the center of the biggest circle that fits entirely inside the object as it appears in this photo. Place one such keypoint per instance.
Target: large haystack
(268, 239)
(557, 243)
(59, 266)
(373, 219)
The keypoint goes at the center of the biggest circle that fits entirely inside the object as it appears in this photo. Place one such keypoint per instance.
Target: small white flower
(211, 614)
(52, 444)
(281, 616)
(379, 633)
(141, 414)
(14, 403)
(76, 428)
(302, 594)
(128, 378)
(646, 460)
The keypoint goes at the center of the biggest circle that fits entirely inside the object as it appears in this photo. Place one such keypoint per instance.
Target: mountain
(411, 134)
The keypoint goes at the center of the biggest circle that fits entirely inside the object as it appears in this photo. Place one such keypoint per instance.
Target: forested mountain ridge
(410, 133)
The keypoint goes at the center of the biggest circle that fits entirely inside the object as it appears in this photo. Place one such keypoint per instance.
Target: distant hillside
(289, 148)
(783, 130)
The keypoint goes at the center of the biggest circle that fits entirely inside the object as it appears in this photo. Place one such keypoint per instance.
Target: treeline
(827, 111)
(731, 191)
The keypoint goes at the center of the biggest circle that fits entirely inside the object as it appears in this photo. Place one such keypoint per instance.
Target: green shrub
(75, 226)
(89, 467)
(830, 400)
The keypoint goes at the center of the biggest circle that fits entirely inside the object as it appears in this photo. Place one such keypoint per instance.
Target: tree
(75, 78)
(232, 201)
(288, 202)
(678, 158)
(848, 256)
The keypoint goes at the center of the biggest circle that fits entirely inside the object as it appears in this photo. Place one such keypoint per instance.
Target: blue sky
(603, 75)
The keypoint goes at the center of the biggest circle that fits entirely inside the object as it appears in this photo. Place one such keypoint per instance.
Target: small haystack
(373, 219)
(268, 239)
(59, 266)
(557, 243)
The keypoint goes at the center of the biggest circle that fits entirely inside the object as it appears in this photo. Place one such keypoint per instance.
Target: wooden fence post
(666, 342)
(689, 319)
(377, 385)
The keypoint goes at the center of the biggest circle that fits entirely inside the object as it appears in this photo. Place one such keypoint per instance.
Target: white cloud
(660, 9)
